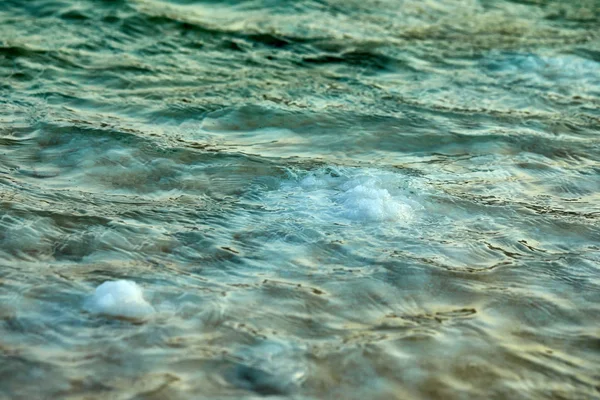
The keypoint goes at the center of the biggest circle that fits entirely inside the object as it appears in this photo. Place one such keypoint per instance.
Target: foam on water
(120, 298)
(368, 201)
(352, 194)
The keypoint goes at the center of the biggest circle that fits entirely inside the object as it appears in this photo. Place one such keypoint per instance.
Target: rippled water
(348, 199)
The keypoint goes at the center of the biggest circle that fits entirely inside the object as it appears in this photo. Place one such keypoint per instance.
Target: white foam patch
(368, 201)
(120, 298)
(353, 194)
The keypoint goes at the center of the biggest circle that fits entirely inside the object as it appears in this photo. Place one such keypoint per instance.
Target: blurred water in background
(345, 199)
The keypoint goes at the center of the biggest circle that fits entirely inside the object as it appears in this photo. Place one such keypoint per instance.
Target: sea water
(309, 199)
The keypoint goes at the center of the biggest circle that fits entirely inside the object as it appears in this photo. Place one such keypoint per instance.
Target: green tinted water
(320, 199)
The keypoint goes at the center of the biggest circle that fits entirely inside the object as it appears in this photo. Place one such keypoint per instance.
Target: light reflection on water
(318, 199)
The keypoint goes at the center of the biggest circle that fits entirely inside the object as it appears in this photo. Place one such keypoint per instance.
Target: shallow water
(319, 199)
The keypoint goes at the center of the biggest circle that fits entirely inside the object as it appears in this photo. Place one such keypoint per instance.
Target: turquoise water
(315, 199)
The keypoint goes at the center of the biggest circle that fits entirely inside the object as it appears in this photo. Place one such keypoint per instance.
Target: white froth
(120, 299)
(354, 194)
(369, 202)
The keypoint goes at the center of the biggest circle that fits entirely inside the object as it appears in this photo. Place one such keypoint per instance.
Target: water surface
(320, 199)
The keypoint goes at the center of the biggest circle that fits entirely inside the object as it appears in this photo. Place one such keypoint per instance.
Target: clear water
(348, 199)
